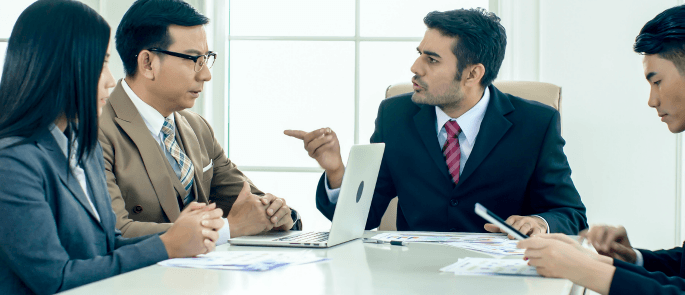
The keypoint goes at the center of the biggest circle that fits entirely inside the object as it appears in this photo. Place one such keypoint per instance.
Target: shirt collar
(62, 140)
(469, 121)
(59, 137)
(153, 119)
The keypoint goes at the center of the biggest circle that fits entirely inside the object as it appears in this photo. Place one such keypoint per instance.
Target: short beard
(451, 100)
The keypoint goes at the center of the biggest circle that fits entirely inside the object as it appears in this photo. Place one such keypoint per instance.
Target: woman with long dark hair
(57, 223)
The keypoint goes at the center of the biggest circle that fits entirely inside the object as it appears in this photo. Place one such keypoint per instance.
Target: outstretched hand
(323, 146)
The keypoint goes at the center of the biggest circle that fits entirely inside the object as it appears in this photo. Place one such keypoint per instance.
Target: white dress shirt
(154, 122)
(639, 260)
(76, 170)
(470, 126)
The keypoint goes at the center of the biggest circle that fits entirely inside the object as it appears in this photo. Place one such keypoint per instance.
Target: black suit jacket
(670, 262)
(517, 167)
(662, 273)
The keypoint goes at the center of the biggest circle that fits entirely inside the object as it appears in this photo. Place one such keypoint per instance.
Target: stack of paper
(244, 260)
(491, 266)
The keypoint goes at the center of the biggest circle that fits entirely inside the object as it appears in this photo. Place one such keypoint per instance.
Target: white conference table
(354, 268)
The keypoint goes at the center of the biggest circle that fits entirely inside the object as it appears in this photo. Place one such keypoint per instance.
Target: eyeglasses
(199, 60)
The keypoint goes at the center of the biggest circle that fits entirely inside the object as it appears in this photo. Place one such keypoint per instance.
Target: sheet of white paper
(244, 260)
(494, 245)
(501, 248)
(490, 266)
(432, 237)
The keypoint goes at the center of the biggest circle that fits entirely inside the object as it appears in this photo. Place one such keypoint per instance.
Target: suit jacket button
(454, 202)
(137, 209)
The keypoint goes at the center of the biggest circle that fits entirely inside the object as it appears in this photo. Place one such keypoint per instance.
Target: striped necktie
(183, 161)
(451, 149)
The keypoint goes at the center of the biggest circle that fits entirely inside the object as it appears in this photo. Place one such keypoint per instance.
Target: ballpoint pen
(394, 243)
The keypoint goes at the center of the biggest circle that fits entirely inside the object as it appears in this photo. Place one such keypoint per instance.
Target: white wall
(623, 158)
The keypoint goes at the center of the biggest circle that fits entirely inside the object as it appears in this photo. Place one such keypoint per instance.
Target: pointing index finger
(299, 134)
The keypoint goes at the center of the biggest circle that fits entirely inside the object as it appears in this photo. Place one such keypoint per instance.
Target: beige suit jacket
(143, 186)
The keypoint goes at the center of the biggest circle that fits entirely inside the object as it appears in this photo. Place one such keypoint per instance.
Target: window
(309, 64)
(10, 13)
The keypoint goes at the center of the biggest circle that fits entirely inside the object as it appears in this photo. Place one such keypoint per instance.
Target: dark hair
(53, 64)
(665, 35)
(480, 38)
(146, 25)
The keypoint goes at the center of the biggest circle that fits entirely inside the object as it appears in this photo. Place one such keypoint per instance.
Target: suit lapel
(492, 129)
(128, 118)
(425, 123)
(50, 146)
(191, 147)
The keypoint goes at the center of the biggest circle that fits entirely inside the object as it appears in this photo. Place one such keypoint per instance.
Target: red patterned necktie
(451, 149)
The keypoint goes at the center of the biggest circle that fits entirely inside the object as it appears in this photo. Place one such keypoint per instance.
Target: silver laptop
(351, 211)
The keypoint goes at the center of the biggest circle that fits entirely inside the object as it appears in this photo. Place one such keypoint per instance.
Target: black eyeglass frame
(194, 58)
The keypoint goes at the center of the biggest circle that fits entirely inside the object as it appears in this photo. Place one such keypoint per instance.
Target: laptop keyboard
(308, 237)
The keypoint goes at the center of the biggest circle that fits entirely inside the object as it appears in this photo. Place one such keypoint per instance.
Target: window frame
(222, 30)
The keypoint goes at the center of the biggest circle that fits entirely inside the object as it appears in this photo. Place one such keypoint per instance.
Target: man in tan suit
(159, 156)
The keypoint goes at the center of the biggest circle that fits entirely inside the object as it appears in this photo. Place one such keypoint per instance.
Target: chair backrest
(546, 93)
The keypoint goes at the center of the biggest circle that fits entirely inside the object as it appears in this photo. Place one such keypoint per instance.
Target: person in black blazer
(621, 269)
(57, 221)
(510, 150)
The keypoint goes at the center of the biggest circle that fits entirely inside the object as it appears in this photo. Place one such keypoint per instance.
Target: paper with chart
(245, 260)
(491, 266)
(495, 245)
(498, 247)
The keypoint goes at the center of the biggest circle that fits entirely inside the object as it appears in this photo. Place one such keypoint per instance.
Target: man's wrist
(543, 223)
(234, 227)
(335, 177)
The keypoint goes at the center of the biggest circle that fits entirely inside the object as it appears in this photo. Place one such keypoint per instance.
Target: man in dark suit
(457, 140)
